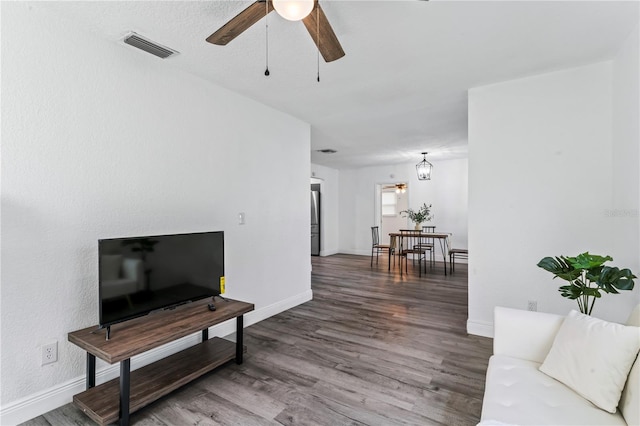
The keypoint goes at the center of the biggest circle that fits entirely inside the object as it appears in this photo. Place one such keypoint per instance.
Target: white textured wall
(101, 140)
(446, 191)
(329, 180)
(540, 181)
(625, 210)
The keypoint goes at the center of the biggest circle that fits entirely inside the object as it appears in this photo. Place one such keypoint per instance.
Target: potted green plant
(142, 245)
(423, 214)
(587, 276)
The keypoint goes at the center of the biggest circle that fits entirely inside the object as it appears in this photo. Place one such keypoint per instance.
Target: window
(389, 203)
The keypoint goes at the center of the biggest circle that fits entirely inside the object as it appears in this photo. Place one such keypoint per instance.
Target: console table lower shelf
(149, 383)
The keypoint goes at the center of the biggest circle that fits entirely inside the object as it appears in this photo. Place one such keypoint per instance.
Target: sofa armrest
(524, 334)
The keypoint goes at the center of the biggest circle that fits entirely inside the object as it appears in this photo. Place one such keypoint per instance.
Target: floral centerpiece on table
(423, 214)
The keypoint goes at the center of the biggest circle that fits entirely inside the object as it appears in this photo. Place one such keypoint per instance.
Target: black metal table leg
(444, 256)
(205, 334)
(125, 389)
(239, 344)
(400, 249)
(91, 370)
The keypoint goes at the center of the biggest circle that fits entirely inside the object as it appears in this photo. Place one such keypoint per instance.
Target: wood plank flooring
(371, 348)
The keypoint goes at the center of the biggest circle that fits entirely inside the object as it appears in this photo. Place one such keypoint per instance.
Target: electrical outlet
(50, 353)
(532, 305)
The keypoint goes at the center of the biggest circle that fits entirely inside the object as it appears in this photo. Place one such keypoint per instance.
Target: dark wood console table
(114, 400)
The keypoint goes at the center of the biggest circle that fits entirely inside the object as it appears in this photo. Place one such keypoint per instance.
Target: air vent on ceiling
(148, 46)
(327, 151)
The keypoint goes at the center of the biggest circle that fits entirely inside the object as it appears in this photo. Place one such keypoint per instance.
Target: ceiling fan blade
(240, 23)
(326, 41)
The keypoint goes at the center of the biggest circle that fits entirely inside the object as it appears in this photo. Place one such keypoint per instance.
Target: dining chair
(411, 247)
(376, 247)
(456, 252)
(428, 243)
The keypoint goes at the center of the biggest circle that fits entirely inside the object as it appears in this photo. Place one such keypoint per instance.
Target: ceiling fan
(315, 21)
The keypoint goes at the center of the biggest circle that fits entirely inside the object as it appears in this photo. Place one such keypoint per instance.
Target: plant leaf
(612, 279)
(592, 291)
(570, 291)
(587, 261)
(559, 267)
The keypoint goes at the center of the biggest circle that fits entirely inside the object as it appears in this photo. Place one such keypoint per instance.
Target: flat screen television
(138, 275)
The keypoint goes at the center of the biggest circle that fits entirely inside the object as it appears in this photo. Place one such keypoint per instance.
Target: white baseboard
(328, 252)
(357, 252)
(271, 310)
(49, 399)
(480, 328)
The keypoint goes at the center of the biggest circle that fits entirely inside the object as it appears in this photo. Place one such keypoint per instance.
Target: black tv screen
(138, 275)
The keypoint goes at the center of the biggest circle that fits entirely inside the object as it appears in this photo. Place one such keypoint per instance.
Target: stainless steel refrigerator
(315, 219)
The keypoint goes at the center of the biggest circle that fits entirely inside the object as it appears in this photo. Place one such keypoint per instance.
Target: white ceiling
(402, 86)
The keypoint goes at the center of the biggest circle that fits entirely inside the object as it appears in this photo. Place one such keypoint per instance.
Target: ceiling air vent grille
(148, 46)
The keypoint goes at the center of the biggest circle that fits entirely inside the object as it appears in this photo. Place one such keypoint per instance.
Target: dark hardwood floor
(371, 348)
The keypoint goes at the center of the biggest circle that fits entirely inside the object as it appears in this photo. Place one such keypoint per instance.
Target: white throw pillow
(593, 357)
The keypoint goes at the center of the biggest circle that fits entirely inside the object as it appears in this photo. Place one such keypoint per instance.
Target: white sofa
(518, 393)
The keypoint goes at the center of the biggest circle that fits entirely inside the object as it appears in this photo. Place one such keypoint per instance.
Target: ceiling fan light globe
(293, 10)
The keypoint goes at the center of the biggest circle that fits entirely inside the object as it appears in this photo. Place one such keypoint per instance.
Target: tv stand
(114, 400)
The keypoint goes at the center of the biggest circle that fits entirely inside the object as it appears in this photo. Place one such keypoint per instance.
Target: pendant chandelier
(424, 168)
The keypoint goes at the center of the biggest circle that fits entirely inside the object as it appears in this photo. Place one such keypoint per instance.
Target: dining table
(442, 237)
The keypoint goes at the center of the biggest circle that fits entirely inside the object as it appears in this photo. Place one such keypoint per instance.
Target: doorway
(315, 219)
(391, 199)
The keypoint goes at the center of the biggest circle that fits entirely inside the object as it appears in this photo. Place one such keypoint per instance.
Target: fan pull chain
(266, 25)
(318, 38)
